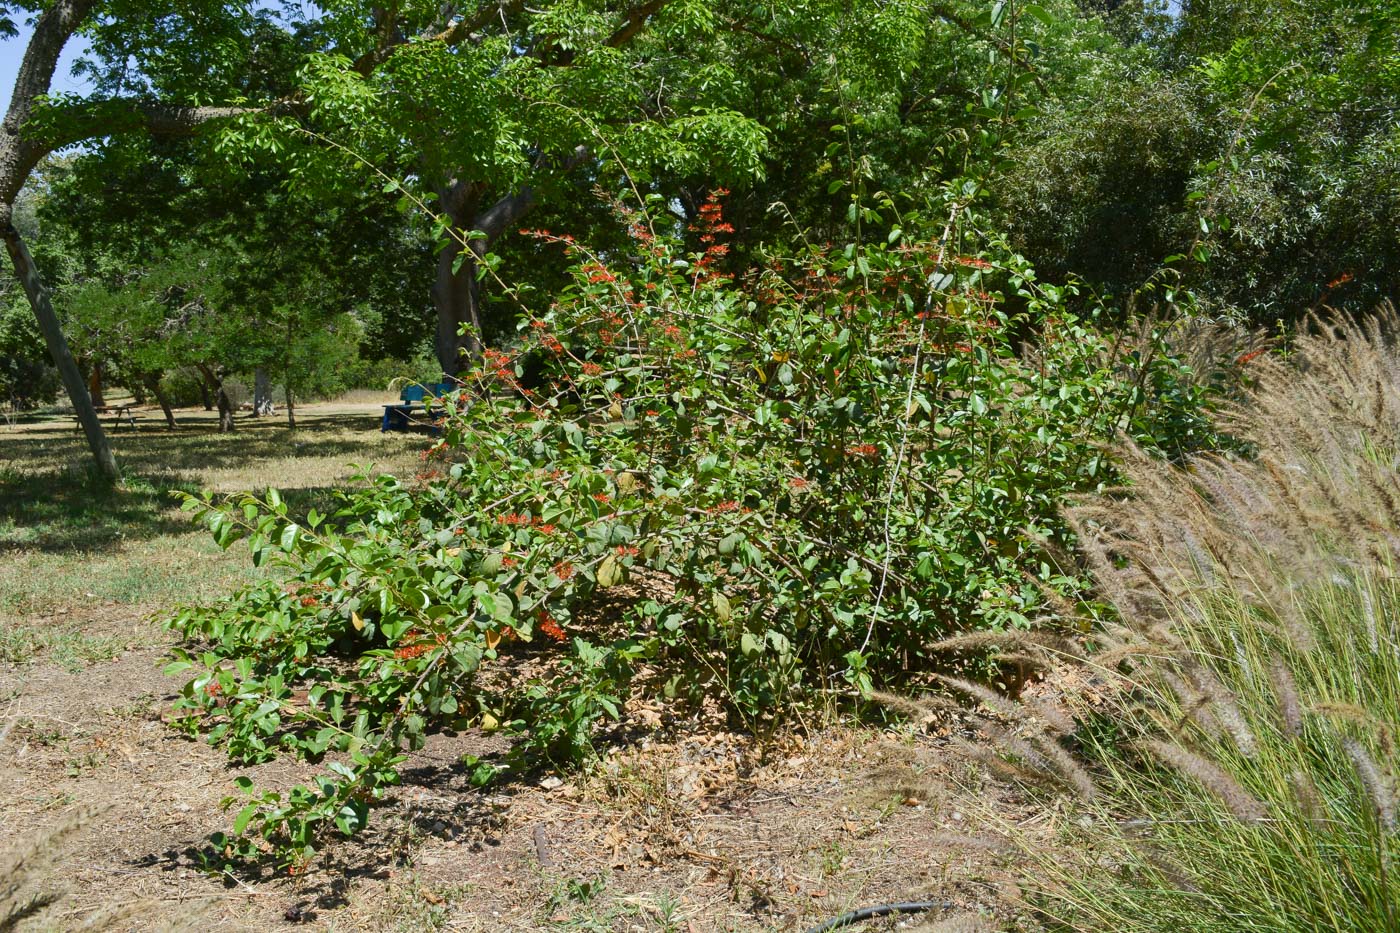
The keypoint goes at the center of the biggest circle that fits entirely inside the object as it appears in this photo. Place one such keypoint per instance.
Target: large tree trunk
(152, 384)
(457, 292)
(262, 393)
(205, 394)
(38, 295)
(291, 407)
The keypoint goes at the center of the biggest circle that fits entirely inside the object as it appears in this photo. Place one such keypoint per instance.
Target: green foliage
(1255, 141)
(761, 489)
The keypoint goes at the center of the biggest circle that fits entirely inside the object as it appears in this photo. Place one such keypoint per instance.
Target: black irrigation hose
(880, 910)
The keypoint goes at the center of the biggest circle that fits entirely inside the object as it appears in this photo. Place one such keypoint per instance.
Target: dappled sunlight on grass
(49, 501)
(67, 539)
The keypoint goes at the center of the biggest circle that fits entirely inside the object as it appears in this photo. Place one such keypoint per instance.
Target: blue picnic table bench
(398, 416)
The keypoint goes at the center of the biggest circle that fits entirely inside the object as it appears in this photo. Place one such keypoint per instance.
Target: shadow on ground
(50, 500)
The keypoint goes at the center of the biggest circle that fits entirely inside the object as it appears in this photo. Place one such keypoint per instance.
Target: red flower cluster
(798, 484)
(499, 363)
(973, 262)
(592, 369)
(550, 628)
(624, 550)
(869, 451)
(563, 570)
(597, 273)
(413, 647)
(552, 237)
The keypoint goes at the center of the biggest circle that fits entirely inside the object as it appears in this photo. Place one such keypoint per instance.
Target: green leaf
(1039, 12)
(245, 816)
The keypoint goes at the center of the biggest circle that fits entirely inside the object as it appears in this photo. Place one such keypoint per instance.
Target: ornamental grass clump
(733, 489)
(1244, 764)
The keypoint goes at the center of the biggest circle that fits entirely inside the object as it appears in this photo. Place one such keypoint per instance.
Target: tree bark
(152, 383)
(291, 407)
(215, 376)
(38, 295)
(204, 395)
(457, 292)
(95, 384)
(262, 393)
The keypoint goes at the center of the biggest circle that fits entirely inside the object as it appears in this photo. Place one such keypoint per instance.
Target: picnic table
(398, 416)
(118, 412)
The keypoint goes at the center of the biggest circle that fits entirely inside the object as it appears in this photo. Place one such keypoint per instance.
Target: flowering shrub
(770, 485)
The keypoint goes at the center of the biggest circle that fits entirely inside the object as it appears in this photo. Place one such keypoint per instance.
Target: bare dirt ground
(686, 830)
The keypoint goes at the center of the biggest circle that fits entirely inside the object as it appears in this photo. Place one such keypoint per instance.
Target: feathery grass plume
(1055, 719)
(25, 868)
(1226, 709)
(985, 695)
(1194, 703)
(980, 752)
(1378, 785)
(1026, 642)
(1245, 806)
(920, 710)
(1368, 609)
(1290, 708)
(1306, 795)
(1070, 770)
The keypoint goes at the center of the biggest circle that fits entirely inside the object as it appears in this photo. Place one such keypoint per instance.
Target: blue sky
(12, 50)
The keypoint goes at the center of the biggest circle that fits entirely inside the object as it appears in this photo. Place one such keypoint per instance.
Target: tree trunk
(291, 408)
(216, 378)
(457, 294)
(95, 384)
(152, 385)
(38, 295)
(204, 395)
(138, 392)
(262, 393)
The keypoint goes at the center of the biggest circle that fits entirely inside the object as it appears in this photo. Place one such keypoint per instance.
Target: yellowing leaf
(356, 621)
(493, 638)
(609, 572)
(722, 608)
(615, 410)
(489, 723)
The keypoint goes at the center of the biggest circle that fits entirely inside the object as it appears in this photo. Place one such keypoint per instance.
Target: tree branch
(93, 119)
(635, 22)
